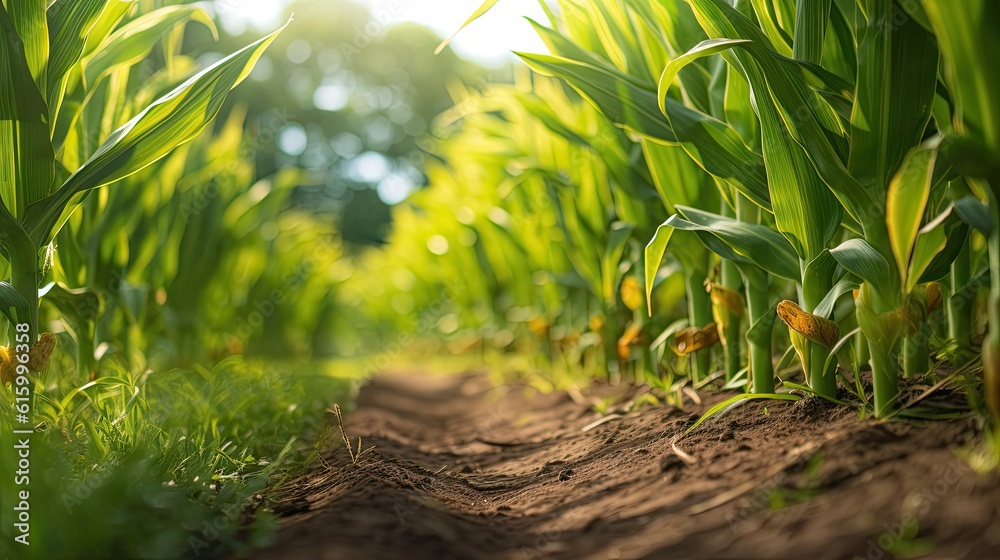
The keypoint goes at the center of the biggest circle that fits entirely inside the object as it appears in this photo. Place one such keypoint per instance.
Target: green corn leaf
(69, 23)
(969, 36)
(816, 277)
(653, 257)
(957, 235)
(897, 80)
(79, 306)
(826, 305)
(916, 11)
(617, 240)
(906, 201)
(544, 113)
(619, 38)
(975, 213)
(831, 86)
(622, 102)
(26, 158)
(805, 209)
(739, 241)
(677, 178)
(739, 110)
(480, 12)
(104, 25)
(779, 40)
(32, 27)
(12, 303)
(169, 122)
(714, 145)
(839, 53)
(811, 20)
(802, 113)
(931, 241)
(728, 158)
(562, 47)
(703, 49)
(133, 41)
(862, 260)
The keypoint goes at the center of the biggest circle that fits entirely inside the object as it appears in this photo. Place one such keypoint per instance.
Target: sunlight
(491, 39)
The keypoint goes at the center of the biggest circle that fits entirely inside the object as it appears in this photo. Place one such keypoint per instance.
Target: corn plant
(967, 34)
(843, 145)
(52, 55)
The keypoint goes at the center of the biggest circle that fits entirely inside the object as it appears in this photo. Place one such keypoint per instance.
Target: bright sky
(489, 39)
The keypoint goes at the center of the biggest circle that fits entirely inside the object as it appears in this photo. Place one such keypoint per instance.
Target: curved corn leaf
(485, 7)
(653, 256)
(975, 213)
(916, 11)
(622, 97)
(816, 277)
(104, 25)
(825, 307)
(80, 307)
(70, 24)
(862, 260)
(931, 241)
(623, 102)
(805, 209)
(133, 41)
(835, 89)
(957, 235)
(703, 49)
(169, 122)
(713, 144)
(740, 242)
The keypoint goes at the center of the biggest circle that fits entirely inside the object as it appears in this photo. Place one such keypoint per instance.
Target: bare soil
(465, 469)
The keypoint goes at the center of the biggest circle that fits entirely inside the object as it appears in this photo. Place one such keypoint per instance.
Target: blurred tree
(346, 94)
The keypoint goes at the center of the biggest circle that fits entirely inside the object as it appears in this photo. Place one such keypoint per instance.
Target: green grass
(169, 464)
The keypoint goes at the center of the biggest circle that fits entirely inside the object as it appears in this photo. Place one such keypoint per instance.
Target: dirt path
(462, 469)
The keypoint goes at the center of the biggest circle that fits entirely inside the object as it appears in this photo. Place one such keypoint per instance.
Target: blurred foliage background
(349, 98)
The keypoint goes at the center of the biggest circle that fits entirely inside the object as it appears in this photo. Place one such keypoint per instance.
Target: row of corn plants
(80, 113)
(115, 263)
(184, 258)
(824, 165)
(522, 241)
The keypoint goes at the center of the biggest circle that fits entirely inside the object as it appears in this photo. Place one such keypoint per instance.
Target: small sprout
(355, 455)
